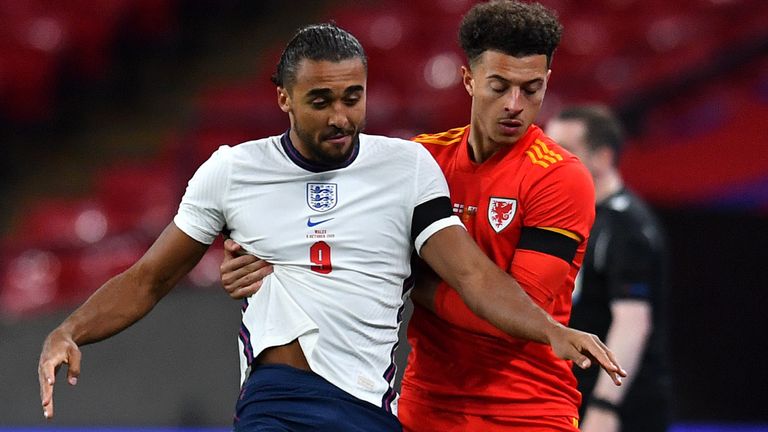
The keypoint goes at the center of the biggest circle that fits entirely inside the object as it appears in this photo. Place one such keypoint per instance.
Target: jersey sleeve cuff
(197, 233)
(434, 227)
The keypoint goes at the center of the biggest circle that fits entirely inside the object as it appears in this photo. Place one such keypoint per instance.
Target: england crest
(321, 197)
(501, 211)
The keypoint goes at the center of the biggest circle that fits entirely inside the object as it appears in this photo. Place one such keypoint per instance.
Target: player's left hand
(584, 348)
(242, 274)
(58, 349)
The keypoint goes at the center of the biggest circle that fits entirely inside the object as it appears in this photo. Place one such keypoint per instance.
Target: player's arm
(129, 296)
(559, 213)
(494, 296)
(120, 302)
(540, 265)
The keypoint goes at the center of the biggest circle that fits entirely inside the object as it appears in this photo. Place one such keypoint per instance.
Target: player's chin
(336, 152)
(507, 139)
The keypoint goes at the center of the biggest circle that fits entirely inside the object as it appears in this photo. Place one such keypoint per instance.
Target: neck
(607, 185)
(481, 148)
(298, 144)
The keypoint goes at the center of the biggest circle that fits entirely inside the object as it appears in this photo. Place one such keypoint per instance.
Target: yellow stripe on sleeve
(566, 233)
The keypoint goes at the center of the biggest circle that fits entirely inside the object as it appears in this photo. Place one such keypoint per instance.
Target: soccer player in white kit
(338, 213)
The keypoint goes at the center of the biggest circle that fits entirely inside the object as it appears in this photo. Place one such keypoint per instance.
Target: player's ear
(283, 99)
(468, 81)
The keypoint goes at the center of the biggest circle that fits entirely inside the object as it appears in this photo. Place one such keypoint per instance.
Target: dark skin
(120, 302)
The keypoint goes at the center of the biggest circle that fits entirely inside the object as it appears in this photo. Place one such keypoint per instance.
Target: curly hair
(316, 42)
(511, 27)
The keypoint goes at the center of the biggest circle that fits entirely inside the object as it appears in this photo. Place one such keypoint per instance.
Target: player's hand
(584, 348)
(58, 349)
(242, 274)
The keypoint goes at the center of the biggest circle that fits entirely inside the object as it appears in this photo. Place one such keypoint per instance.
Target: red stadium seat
(63, 223)
(139, 196)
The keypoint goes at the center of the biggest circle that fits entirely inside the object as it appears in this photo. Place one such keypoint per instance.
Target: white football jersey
(340, 241)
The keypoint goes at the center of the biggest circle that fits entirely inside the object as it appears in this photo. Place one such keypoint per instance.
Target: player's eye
(498, 86)
(319, 103)
(532, 89)
(351, 100)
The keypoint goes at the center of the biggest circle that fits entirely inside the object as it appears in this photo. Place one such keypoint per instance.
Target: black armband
(548, 242)
(428, 212)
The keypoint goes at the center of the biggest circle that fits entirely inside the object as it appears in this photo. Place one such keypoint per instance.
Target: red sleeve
(534, 271)
(538, 273)
(564, 198)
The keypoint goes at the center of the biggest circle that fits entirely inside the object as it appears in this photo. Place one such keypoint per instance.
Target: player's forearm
(129, 296)
(627, 337)
(496, 297)
(115, 306)
(487, 290)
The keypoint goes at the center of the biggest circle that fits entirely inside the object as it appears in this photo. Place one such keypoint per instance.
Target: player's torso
(340, 242)
(354, 220)
(490, 207)
(489, 198)
(501, 375)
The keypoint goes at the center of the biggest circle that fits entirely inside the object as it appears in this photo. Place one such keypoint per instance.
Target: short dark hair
(602, 127)
(316, 42)
(511, 27)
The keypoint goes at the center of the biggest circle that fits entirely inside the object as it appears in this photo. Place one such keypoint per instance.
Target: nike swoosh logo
(311, 224)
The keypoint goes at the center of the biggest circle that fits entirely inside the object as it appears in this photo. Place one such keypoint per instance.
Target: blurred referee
(620, 289)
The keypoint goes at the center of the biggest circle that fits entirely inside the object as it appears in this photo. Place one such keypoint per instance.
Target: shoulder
(253, 148)
(549, 163)
(446, 138)
(384, 141)
(384, 147)
(442, 141)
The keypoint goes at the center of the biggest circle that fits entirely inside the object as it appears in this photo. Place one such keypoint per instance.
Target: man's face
(326, 106)
(572, 136)
(507, 93)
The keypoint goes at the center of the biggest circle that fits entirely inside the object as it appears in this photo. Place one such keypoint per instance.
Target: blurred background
(108, 106)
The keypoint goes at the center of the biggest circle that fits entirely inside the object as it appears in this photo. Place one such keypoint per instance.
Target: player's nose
(513, 102)
(339, 117)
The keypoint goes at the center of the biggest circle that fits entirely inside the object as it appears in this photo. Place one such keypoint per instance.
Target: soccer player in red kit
(528, 204)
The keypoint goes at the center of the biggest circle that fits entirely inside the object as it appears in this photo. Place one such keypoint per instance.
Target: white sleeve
(430, 181)
(433, 210)
(201, 212)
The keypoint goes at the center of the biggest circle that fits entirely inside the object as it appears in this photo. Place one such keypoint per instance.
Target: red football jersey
(476, 368)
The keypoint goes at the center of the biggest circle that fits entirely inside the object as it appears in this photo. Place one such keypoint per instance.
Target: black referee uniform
(625, 259)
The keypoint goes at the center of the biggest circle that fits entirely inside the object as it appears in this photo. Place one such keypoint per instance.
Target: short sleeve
(562, 199)
(200, 213)
(432, 211)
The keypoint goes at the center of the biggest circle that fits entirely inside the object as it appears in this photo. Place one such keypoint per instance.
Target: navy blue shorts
(280, 398)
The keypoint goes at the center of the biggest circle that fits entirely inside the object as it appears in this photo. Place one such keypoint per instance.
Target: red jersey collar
(465, 163)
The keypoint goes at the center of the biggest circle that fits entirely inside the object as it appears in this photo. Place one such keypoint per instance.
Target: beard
(314, 144)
